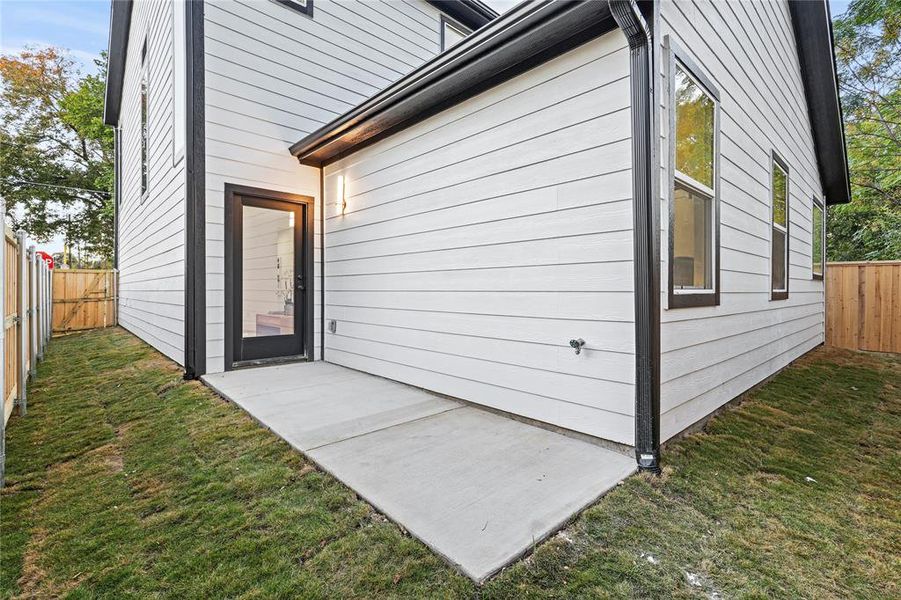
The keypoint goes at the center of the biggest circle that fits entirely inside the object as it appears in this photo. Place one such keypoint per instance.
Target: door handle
(300, 282)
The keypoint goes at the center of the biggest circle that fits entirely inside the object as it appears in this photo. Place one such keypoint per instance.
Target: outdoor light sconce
(342, 200)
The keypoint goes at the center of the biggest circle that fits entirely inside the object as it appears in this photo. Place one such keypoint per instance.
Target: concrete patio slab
(478, 488)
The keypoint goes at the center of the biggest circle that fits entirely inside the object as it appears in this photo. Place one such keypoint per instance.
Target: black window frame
(144, 108)
(305, 9)
(777, 160)
(822, 206)
(448, 22)
(689, 299)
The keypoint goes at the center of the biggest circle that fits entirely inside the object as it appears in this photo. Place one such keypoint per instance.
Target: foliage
(52, 132)
(124, 480)
(868, 54)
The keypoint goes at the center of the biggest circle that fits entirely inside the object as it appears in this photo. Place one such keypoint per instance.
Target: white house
(605, 216)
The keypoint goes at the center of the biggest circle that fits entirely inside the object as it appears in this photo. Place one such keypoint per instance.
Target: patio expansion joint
(386, 427)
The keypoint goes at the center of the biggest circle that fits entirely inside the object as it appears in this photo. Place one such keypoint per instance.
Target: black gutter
(812, 24)
(195, 194)
(528, 35)
(117, 50)
(646, 235)
(471, 13)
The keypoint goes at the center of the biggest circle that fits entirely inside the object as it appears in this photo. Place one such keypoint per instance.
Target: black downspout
(195, 194)
(117, 191)
(646, 220)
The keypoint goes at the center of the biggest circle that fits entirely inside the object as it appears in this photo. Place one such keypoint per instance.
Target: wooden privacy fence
(863, 305)
(83, 299)
(27, 318)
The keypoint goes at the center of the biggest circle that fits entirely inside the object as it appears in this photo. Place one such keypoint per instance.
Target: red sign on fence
(47, 258)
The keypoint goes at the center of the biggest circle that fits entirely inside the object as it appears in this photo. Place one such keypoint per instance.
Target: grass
(126, 481)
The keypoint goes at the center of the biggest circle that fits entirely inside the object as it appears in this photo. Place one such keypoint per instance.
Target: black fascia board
(117, 50)
(525, 37)
(812, 24)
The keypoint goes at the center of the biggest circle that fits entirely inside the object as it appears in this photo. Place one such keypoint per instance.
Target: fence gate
(83, 299)
(863, 305)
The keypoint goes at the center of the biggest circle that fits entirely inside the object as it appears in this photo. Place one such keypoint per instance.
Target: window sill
(693, 300)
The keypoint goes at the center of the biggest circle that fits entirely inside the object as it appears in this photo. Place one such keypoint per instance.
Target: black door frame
(233, 203)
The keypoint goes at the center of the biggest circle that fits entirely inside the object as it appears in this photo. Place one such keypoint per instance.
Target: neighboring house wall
(477, 243)
(710, 355)
(151, 244)
(274, 75)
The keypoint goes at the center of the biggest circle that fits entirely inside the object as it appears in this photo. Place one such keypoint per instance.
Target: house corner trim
(195, 194)
(646, 234)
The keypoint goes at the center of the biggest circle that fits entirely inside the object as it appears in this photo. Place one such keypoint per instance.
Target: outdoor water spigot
(577, 345)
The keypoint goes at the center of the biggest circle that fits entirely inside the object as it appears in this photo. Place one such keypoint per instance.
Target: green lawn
(125, 480)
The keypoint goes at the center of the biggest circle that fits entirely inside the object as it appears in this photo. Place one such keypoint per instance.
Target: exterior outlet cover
(332, 326)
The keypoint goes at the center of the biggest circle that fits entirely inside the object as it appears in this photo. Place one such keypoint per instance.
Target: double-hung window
(818, 239)
(779, 228)
(694, 209)
(144, 132)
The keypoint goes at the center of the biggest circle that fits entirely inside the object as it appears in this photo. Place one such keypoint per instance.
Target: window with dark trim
(694, 195)
(817, 239)
(304, 7)
(779, 229)
(452, 33)
(144, 132)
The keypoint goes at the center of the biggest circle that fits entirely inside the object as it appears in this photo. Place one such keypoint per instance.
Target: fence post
(24, 325)
(32, 311)
(49, 302)
(5, 358)
(46, 304)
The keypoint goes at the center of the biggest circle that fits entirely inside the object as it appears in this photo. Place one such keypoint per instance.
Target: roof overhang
(472, 13)
(813, 36)
(528, 35)
(120, 23)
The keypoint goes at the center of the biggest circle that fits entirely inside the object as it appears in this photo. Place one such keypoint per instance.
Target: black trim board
(812, 25)
(471, 13)
(120, 27)
(195, 194)
(523, 38)
(646, 227)
(233, 194)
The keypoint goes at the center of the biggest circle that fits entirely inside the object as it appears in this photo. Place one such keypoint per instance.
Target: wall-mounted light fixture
(342, 200)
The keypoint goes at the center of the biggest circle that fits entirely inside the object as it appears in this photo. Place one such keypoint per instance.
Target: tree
(56, 155)
(868, 56)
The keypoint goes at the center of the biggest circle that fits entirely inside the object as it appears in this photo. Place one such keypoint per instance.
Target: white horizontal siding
(273, 76)
(710, 355)
(477, 243)
(151, 230)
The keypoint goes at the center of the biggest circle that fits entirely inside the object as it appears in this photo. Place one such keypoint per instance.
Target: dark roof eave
(813, 36)
(522, 38)
(472, 13)
(120, 23)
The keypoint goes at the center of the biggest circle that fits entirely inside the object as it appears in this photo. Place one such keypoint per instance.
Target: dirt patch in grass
(126, 480)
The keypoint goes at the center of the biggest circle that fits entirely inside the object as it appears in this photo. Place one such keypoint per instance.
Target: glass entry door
(267, 295)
